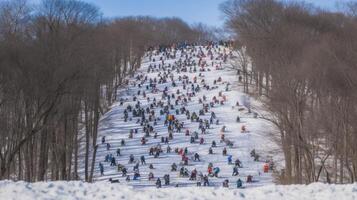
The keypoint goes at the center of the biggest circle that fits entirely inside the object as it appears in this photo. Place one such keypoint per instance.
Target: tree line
(304, 67)
(61, 64)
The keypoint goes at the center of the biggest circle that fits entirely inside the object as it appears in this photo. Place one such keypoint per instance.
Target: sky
(191, 11)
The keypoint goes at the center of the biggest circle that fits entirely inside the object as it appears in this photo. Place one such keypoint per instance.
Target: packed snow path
(192, 77)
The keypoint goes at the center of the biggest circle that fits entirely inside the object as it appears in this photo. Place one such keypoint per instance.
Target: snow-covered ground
(103, 190)
(257, 136)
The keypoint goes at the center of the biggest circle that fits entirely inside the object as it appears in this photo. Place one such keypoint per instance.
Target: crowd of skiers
(169, 106)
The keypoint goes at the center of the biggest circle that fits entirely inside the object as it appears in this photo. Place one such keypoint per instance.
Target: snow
(113, 127)
(103, 190)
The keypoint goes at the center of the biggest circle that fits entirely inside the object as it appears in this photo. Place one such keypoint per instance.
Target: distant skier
(238, 163)
(113, 162)
(210, 150)
(249, 179)
(239, 183)
(158, 183)
(131, 158)
(224, 151)
(173, 167)
(229, 159)
(101, 169)
(193, 175)
(197, 157)
(213, 144)
(151, 176)
(108, 146)
(136, 175)
(142, 159)
(167, 179)
(216, 171)
(235, 171)
(205, 181)
(226, 183)
(124, 171)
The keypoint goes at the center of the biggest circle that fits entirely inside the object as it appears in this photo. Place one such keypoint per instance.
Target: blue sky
(192, 11)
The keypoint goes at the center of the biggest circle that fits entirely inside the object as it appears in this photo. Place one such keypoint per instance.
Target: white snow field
(257, 137)
(103, 190)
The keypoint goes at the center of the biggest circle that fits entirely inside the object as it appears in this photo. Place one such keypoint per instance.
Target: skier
(229, 159)
(225, 183)
(173, 167)
(131, 158)
(192, 140)
(210, 150)
(239, 183)
(136, 175)
(158, 183)
(235, 171)
(216, 170)
(143, 141)
(243, 129)
(205, 181)
(118, 152)
(193, 175)
(238, 163)
(168, 149)
(224, 152)
(124, 171)
(209, 170)
(238, 119)
(136, 166)
(142, 159)
(101, 168)
(112, 162)
(120, 167)
(213, 144)
(107, 158)
(151, 151)
(185, 160)
(249, 179)
(151, 176)
(108, 146)
(167, 179)
(197, 157)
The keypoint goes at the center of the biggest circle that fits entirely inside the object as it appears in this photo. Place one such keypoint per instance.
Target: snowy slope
(103, 190)
(114, 128)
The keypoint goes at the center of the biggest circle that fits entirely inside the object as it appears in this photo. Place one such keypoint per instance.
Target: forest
(302, 62)
(61, 64)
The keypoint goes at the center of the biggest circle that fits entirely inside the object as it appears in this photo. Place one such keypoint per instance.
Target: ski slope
(257, 137)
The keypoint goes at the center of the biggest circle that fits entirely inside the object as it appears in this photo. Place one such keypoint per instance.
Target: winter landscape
(260, 103)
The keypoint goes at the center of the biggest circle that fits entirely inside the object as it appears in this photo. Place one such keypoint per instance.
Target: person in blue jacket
(216, 170)
(239, 183)
(229, 158)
